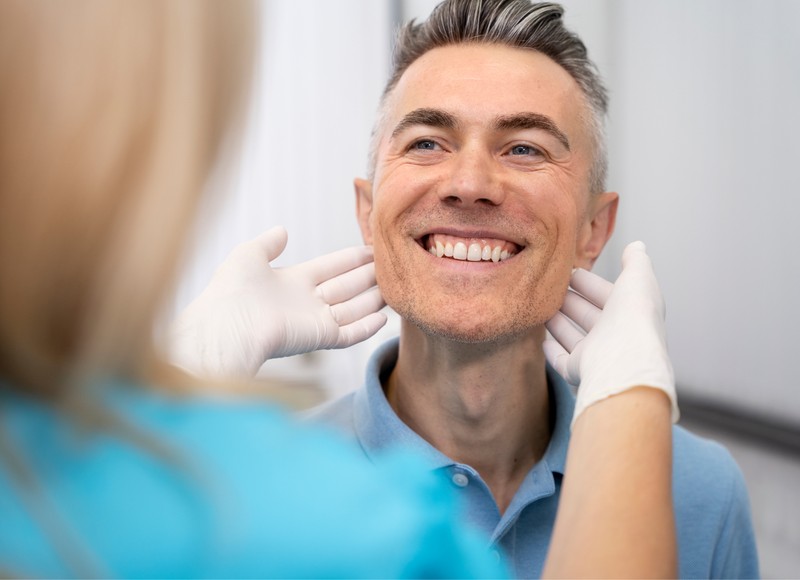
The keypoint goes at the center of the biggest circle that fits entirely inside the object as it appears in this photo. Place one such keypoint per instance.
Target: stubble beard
(448, 321)
(525, 311)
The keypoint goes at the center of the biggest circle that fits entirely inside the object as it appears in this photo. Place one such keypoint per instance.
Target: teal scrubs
(206, 488)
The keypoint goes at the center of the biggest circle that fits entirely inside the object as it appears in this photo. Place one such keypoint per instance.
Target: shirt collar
(562, 408)
(378, 427)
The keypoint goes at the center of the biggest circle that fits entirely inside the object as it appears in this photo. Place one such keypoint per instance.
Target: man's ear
(596, 231)
(363, 189)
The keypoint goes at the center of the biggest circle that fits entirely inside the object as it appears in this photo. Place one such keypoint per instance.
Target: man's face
(484, 149)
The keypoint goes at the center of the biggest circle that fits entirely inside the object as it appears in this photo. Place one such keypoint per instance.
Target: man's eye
(524, 150)
(424, 144)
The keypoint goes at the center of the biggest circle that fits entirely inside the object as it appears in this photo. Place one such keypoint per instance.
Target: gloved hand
(251, 312)
(620, 340)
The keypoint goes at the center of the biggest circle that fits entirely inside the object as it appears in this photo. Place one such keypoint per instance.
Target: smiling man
(478, 211)
(486, 190)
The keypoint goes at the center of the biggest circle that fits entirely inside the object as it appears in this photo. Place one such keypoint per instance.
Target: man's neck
(486, 406)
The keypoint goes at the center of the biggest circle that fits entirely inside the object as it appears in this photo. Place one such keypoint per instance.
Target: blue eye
(523, 150)
(424, 144)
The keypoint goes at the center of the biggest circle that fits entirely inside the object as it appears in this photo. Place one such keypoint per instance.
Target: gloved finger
(635, 252)
(581, 311)
(361, 306)
(556, 356)
(564, 331)
(361, 330)
(345, 286)
(591, 286)
(271, 243)
(323, 268)
(636, 264)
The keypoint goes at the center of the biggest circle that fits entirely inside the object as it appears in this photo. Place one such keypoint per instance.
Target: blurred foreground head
(111, 117)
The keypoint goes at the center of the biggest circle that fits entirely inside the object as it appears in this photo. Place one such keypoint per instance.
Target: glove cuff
(588, 395)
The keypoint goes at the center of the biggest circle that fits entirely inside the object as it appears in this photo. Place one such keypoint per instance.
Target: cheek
(569, 217)
(559, 271)
(561, 274)
(386, 260)
(381, 241)
(559, 253)
(395, 284)
(559, 218)
(556, 298)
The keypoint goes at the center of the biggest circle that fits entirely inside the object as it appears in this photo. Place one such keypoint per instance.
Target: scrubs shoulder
(714, 527)
(211, 488)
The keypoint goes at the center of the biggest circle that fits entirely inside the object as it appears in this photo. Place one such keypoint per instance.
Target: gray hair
(514, 23)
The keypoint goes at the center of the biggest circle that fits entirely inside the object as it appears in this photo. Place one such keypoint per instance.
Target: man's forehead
(478, 82)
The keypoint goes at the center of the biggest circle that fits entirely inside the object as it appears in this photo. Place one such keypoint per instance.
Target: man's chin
(466, 319)
(475, 332)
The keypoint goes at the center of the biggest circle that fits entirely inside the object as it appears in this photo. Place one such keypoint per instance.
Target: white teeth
(474, 254)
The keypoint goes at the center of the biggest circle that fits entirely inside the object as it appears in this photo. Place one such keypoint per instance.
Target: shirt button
(461, 480)
(496, 555)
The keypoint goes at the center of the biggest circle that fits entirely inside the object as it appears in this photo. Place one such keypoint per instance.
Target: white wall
(704, 142)
(321, 70)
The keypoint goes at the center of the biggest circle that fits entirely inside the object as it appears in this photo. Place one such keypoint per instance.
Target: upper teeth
(470, 251)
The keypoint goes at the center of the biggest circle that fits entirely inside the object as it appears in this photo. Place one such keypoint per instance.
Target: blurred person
(486, 191)
(113, 463)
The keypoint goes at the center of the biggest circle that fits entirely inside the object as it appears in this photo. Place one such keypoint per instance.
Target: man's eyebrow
(429, 117)
(531, 121)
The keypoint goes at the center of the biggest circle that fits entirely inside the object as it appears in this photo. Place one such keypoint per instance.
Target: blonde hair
(111, 115)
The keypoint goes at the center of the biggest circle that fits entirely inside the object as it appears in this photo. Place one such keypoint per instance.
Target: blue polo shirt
(715, 534)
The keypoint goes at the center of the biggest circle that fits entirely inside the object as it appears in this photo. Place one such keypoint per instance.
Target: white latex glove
(608, 338)
(251, 312)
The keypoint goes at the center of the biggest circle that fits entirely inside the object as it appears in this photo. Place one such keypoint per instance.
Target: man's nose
(472, 179)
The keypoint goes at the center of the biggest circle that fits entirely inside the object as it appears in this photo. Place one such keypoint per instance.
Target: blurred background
(703, 137)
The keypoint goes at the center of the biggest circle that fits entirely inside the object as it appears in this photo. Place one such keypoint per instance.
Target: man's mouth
(469, 249)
